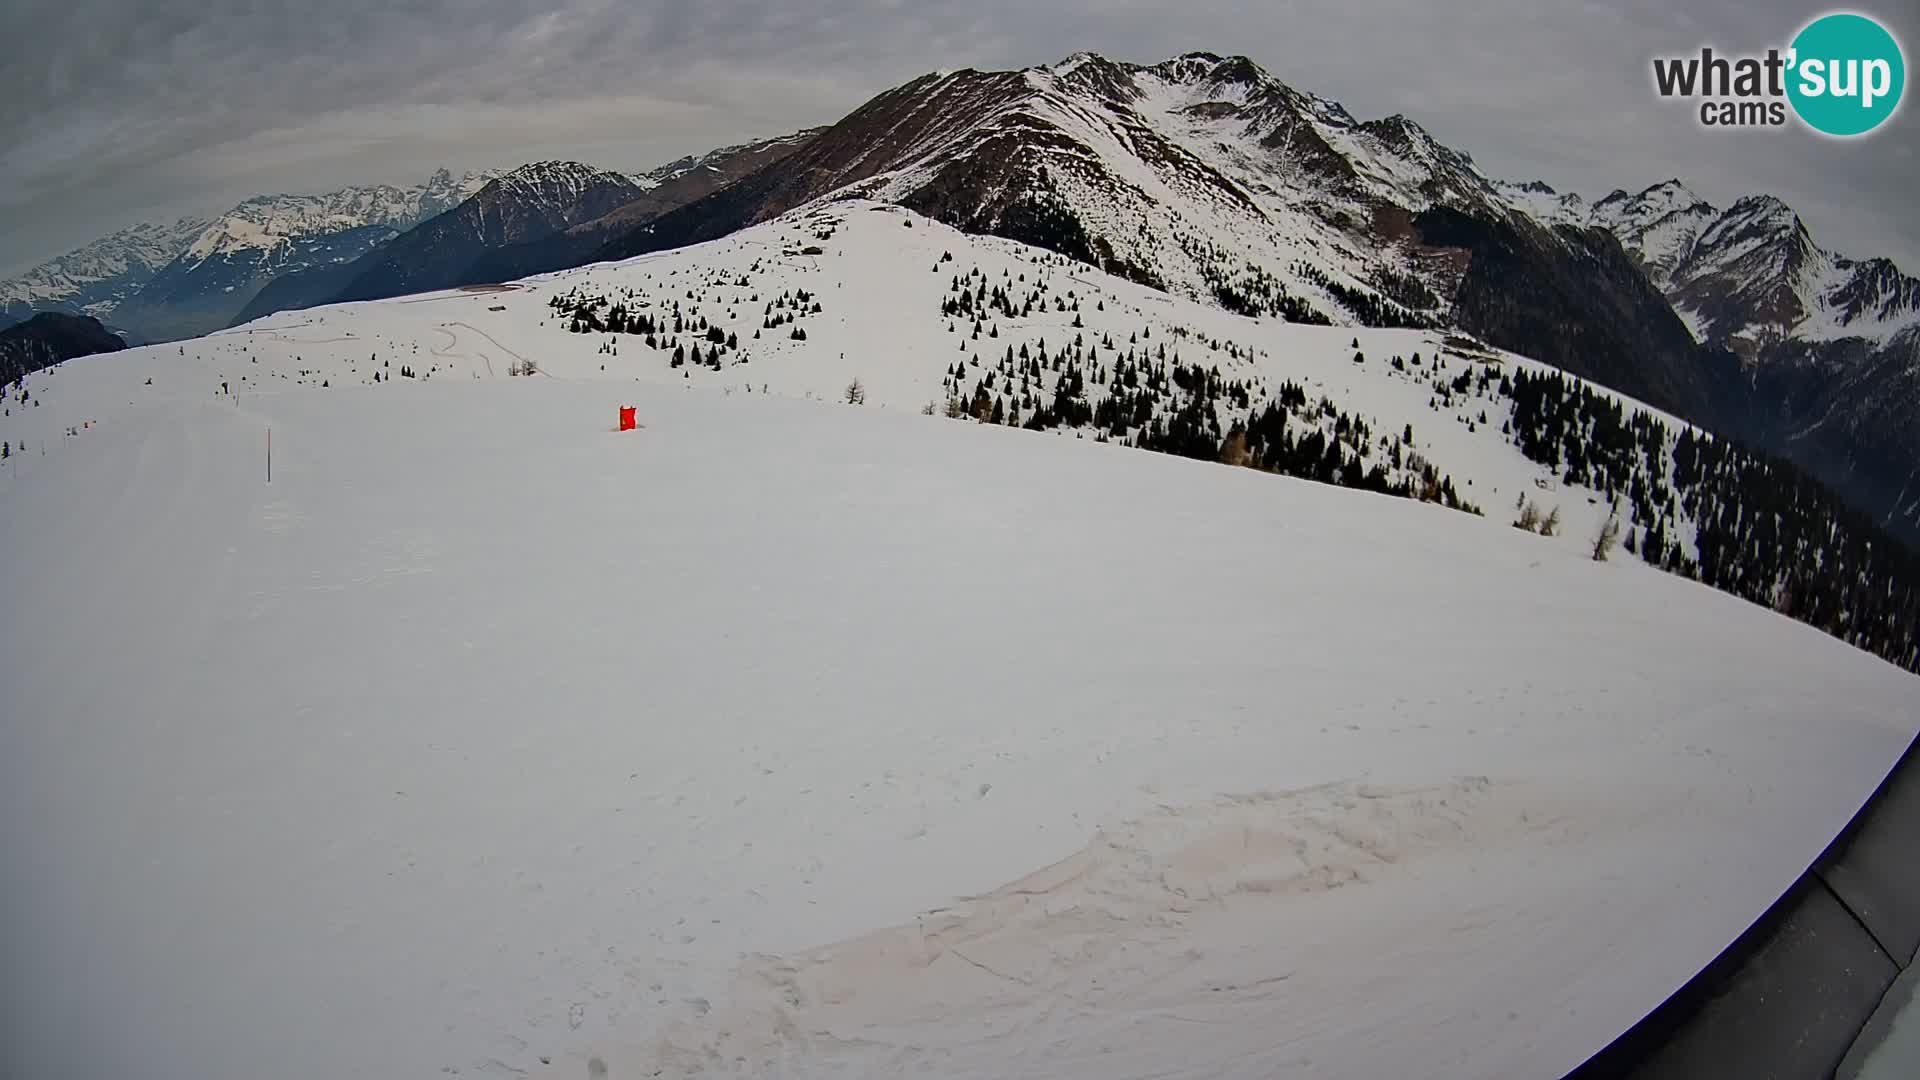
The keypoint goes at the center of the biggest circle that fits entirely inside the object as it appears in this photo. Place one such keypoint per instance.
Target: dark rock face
(677, 184)
(1572, 298)
(895, 127)
(1845, 411)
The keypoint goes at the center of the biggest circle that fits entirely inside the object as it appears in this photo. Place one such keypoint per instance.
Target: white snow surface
(787, 738)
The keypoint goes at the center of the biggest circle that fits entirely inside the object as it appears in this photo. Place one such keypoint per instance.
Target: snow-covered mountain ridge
(269, 222)
(195, 275)
(1748, 275)
(1209, 178)
(94, 279)
(716, 159)
(930, 318)
(527, 204)
(1202, 175)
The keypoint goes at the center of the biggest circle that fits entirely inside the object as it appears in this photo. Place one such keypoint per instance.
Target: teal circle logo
(1846, 74)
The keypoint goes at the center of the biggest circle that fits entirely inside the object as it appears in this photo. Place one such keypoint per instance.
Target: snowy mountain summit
(95, 279)
(272, 223)
(531, 202)
(1202, 175)
(1209, 178)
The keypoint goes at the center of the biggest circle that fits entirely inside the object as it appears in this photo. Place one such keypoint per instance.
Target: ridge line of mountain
(1205, 176)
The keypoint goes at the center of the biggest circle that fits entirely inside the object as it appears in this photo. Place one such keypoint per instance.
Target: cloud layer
(128, 109)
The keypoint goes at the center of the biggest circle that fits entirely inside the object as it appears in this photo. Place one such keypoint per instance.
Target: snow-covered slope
(930, 318)
(790, 737)
(96, 278)
(883, 280)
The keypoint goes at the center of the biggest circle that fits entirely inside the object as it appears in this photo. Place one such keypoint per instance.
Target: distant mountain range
(164, 282)
(542, 216)
(97, 278)
(1203, 176)
(529, 202)
(1827, 347)
(276, 252)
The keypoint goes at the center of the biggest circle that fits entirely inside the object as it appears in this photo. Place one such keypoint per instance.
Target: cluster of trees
(787, 307)
(1533, 521)
(1140, 392)
(1405, 289)
(1319, 441)
(1763, 530)
(1372, 309)
(18, 359)
(686, 335)
(972, 296)
(1256, 293)
(1244, 288)
(970, 301)
(1144, 395)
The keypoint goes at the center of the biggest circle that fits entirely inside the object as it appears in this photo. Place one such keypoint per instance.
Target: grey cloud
(122, 109)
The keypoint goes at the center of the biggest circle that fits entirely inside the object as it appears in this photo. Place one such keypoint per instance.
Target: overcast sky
(123, 110)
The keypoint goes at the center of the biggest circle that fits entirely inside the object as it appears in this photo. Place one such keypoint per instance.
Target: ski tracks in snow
(1180, 917)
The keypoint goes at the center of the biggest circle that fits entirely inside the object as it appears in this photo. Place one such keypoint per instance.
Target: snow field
(485, 735)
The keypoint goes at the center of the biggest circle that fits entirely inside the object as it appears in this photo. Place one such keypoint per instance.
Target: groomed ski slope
(486, 741)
